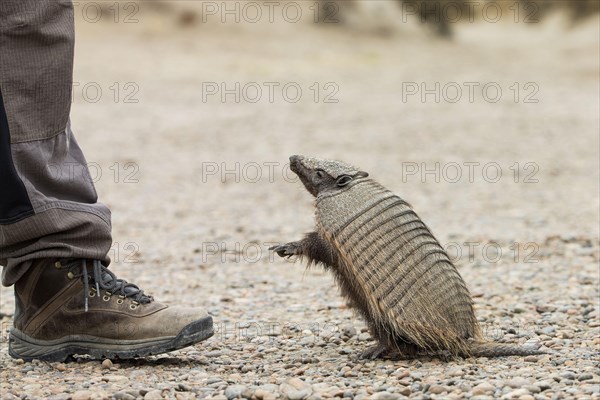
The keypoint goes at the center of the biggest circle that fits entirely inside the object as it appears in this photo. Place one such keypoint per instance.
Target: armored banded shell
(398, 273)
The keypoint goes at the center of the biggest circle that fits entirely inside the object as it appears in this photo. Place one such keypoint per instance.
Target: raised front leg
(313, 247)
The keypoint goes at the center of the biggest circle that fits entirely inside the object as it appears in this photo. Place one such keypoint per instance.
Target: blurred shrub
(440, 14)
(374, 15)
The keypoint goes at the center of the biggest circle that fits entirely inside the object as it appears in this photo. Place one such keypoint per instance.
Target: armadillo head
(324, 176)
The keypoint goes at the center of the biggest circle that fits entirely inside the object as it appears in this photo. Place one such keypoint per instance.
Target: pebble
(107, 364)
(385, 396)
(549, 330)
(153, 395)
(296, 389)
(543, 385)
(349, 330)
(483, 388)
(263, 394)
(516, 394)
(456, 372)
(437, 389)
(120, 379)
(517, 382)
(585, 377)
(568, 375)
(82, 395)
(234, 391)
(123, 396)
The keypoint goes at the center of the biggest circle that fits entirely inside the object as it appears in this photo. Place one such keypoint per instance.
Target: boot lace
(104, 279)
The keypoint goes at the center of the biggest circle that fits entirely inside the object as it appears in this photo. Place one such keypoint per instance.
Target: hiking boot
(67, 307)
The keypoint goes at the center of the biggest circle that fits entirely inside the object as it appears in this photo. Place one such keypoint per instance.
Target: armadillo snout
(296, 164)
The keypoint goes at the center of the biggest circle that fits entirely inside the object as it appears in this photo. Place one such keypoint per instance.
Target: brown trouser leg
(48, 204)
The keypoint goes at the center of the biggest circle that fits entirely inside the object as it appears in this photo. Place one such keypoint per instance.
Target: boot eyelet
(119, 301)
(70, 275)
(106, 297)
(92, 293)
(57, 265)
(132, 306)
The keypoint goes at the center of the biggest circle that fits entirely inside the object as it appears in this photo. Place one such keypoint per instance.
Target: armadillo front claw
(285, 250)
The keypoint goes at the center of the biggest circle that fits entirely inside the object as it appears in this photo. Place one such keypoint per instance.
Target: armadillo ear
(361, 174)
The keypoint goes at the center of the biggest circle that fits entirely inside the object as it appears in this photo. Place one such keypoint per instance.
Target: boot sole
(27, 348)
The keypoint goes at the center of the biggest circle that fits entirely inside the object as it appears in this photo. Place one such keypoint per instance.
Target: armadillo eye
(320, 173)
(343, 180)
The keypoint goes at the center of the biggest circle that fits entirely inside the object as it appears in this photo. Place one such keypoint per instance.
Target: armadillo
(389, 266)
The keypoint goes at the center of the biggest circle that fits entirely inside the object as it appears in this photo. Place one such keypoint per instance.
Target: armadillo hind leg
(402, 351)
(377, 351)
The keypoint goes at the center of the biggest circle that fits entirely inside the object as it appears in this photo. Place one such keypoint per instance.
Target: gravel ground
(527, 243)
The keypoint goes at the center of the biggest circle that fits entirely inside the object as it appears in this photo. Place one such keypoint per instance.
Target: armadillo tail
(491, 349)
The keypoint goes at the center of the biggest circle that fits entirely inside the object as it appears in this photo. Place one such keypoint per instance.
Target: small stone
(107, 364)
(82, 395)
(123, 396)
(526, 397)
(568, 375)
(464, 387)
(516, 394)
(363, 337)
(182, 387)
(543, 308)
(437, 389)
(349, 330)
(565, 334)
(585, 377)
(483, 388)
(118, 379)
(417, 376)
(263, 394)
(385, 396)
(543, 385)
(401, 373)
(234, 391)
(405, 391)
(519, 309)
(268, 392)
(456, 372)
(549, 330)
(533, 389)
(517, 382)
(531, 359)
(61, 367)
(153, 395)
(296, 389)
